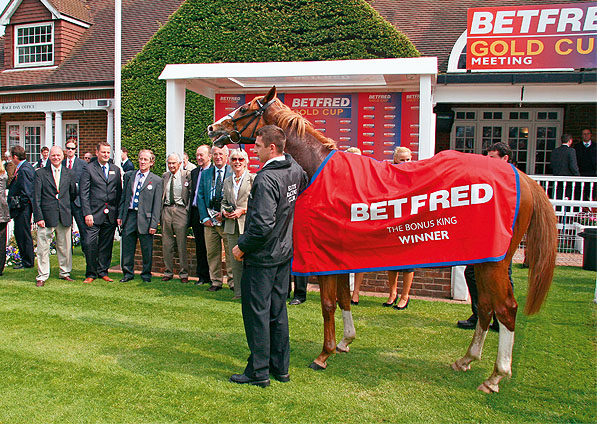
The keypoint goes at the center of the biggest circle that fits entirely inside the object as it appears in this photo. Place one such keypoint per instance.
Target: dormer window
(34, 45)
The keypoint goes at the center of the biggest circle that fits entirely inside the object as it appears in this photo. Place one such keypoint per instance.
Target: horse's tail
(542, 243)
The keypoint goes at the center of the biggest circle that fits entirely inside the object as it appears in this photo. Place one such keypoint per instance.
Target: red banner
(359, 214)
(554, 36)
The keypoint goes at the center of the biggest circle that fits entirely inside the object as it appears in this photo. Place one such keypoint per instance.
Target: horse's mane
(292, 121)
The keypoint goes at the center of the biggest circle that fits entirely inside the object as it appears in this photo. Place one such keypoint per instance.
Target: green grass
(163, 352)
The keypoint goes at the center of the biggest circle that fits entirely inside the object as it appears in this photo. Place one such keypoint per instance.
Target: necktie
(171, 198)
(218, 191)
(57, 179)
(137, 191)
(70, 164)
(104, 168)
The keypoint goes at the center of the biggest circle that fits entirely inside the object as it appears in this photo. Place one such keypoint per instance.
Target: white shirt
(56, 173)
(236, 186)
(137, 178)
(273, 159)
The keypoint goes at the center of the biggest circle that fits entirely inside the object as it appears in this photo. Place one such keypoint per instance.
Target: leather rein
(235, 136)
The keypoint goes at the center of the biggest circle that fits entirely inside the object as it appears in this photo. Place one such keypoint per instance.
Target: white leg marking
(349, 332)
(473, 352)
(503, 362)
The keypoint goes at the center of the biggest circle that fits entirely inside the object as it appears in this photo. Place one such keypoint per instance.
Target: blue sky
(3, 4)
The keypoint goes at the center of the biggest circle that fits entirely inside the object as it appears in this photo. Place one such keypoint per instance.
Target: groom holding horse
(266, 248)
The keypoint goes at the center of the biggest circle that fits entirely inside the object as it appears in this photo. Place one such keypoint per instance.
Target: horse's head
(240, 125)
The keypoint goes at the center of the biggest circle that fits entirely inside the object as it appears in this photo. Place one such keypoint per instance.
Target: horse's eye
(243, 109)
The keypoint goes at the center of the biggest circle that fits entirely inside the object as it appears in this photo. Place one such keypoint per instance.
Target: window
(531, 134)
(34, 45)
(27, 134)
(71, 131)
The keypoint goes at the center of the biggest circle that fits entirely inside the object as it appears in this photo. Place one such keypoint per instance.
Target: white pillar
(117, 79)
(175, 110)
(459, 287)
(110, 134)
(49, 133)
(58, 137)
(426, 118)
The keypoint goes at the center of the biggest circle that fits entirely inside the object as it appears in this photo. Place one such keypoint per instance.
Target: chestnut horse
(536, 218)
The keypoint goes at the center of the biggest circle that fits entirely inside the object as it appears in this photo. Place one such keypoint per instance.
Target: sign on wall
(374, 122)
(551, 36)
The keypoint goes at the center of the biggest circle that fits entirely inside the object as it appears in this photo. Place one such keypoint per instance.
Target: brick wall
(430, 282)
(579, 116)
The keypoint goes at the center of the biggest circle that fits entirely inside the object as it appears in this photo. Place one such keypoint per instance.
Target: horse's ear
(271, 94)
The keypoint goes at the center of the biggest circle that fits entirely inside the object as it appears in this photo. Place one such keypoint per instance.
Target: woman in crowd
(234, 207)
(4, 216)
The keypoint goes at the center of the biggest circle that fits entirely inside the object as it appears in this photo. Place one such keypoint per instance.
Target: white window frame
(70, 122)
(17, 64)
(532, 123)
(22, 125)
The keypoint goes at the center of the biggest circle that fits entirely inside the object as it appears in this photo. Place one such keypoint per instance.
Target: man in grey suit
(175, 215)
(100, 188)
(209, 203)
(76, 165)
(139, 215)
(54, 190)
(563, 162)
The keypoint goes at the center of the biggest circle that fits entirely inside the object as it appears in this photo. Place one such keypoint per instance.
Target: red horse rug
(359, 214)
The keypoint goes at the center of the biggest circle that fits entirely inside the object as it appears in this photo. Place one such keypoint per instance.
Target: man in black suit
(43, 161)
(76, 166)
(586, 155)
(100, 189)
(54, 190)
(139, 215)
(203, 163)
(563, 163)
(209, 204)
(126, 164)
(20, 201)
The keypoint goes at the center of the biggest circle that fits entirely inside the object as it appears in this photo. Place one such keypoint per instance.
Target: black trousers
(3, 235)
(471, 283)
(22, 232)
(300, 287)
(83, 228)
(263, 294)
(202, 265)
(130, 235)
(98, 252)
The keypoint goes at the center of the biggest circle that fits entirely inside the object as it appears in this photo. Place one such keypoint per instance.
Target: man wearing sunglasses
(76, 166)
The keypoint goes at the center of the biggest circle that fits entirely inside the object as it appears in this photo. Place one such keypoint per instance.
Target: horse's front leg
(474, 350)
(503, 363)
(343, 288)
(327, 293)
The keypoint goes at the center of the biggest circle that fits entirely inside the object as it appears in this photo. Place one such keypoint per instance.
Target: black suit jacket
(45, 206)
(587, 159)
(22, 186)
(205, 187)
(78, 166)
(127, 165)
(98, 194)
(150, 201)
(563, 161)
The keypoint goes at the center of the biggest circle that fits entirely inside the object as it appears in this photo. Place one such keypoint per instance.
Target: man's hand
(41, 224)
(152, 231)
(219, 217)
(237, 213)
(208, 223)
(237, 253)
(89, 220)
(119, 222)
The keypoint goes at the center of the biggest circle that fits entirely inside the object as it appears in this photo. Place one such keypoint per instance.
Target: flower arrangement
(13, 257)
(587, 219)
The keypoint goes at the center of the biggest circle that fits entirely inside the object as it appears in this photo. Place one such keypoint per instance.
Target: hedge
(203, 31)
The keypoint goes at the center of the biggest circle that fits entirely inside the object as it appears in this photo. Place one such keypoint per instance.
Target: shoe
(243, 379)
(387, 305)
(88, 280)
(184, 280)
(399, 308)
(282, 378)
(215, 289)
(166, 278)
(39, 283)
(108, 279)
(231, 288)
(468, 324)
(146, 280)
(296, 301)
(66, 278)
(352, 302)
(495, 326)
(125, 279)
(18, 266)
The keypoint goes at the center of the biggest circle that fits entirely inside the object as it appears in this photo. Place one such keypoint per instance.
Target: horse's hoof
(340, 349)
(488, 388)
(460, 367)
(316, 367)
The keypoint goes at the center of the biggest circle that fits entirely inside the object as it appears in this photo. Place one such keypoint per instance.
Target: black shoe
(387, 305)
(18, 266)
(243, 379)
(214, 289)
(125, 279)
(399, 308)
(352, 302)
(146, 280)
(467, 324)
(296, 301)
(282, 378)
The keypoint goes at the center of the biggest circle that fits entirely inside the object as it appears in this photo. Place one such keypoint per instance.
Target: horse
(536, 218)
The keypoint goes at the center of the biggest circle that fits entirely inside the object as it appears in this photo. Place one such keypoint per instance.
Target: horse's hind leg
(474, 350)
(344, 302)
(503, 363)
(327, 293)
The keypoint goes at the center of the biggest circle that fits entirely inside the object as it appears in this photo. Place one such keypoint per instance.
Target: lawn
(162, 352)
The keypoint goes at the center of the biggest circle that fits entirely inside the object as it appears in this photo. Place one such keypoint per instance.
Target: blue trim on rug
(320, 168)
(517, 196)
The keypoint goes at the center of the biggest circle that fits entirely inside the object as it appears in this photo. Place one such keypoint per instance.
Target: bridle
(235, 136)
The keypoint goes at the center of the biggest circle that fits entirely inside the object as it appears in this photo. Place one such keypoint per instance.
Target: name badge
(149, 187)
(111, 172)
(186, 183)
(106, 211)
(57, 196)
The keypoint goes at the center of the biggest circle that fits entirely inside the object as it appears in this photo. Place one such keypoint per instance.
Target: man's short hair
(354, 150)
(151, 155)
(566, 138)
(102, 143)
(178, 159)
(272, 134)
(502, 148)
(19, 152)
(71, 140)
(224, 148)
(125, 150)
(45, 149)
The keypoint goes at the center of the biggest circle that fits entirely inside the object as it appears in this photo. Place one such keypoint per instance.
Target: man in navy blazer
(101, 188)
(20, 202)
(76, 165)
(209, 204)
(54, 190)
(126, 164)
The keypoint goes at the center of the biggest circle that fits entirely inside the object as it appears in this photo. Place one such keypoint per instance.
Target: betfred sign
(552, 36)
